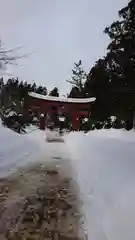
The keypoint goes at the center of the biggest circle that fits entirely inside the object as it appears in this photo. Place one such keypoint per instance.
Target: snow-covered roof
(61, 99)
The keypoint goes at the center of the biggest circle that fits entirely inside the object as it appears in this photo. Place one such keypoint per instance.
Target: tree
(74, 93)
(121, 58)
(13, 95)
(112, 79)
(9, 56)
(54, 92)
(98, 85)
(77, 79)
(41, 90)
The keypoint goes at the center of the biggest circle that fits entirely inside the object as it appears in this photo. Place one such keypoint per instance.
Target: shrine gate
(45, 104)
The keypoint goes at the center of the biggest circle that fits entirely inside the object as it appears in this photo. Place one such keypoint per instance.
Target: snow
(61, 99)
(22, 150)
(104, 166)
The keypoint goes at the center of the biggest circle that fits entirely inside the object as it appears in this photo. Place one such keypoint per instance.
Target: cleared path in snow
(102, 162)
(38, 196)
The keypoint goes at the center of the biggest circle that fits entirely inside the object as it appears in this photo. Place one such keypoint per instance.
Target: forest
(111, 80)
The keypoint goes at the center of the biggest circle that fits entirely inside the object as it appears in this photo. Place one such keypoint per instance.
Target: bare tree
(9, 56)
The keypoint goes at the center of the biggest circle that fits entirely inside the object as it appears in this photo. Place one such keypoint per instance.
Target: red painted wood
(77, 109)
(84, 113)
(75, 121)
(42, 123)
(46, 103)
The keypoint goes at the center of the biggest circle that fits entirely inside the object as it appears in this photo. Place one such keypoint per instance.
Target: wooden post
(42, 121)
(75, 121)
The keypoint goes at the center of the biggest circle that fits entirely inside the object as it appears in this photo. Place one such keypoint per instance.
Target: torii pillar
(75, 121)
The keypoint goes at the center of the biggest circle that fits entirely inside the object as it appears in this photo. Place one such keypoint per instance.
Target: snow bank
(104, 165)
(21, 150)
(15, 150)
(103, 162)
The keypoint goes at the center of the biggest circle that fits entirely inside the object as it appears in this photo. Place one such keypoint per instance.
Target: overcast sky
(59, 32)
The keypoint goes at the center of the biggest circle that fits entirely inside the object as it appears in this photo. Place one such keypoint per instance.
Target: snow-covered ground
(22, 150)
(103, 163)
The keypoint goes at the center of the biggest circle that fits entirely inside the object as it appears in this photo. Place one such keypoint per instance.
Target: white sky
(59, 32)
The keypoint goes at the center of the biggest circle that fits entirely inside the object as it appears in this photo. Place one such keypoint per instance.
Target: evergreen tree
(98, 85)
(75, 93)
(13, 95)
(121, 59)
(112, 79)
(77, 80)
(41, 90)
(54, 92)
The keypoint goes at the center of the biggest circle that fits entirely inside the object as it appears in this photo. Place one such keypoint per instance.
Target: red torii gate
(75, 106)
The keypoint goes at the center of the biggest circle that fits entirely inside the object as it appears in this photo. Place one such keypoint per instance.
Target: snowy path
(36, 159)
(41, 201)
(102, 163)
